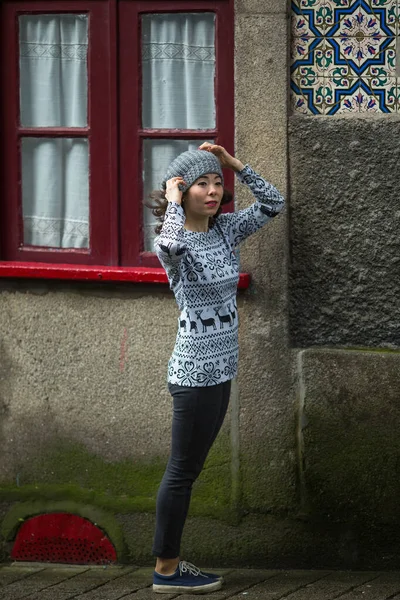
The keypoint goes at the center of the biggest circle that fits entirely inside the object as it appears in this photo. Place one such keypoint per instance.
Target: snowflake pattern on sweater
(203, 273)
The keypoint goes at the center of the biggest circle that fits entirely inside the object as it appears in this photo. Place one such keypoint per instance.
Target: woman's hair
(158, 206)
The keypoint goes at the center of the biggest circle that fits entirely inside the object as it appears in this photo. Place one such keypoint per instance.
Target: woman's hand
(226, 160)
(173, 193)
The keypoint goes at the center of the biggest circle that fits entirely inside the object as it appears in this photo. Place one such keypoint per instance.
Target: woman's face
(203, 198)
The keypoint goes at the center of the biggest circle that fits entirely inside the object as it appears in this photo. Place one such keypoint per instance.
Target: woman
(196, 246)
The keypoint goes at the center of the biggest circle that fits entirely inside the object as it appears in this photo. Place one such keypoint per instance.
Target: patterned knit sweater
(203, 273)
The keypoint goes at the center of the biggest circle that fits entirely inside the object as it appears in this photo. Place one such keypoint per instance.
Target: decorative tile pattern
(323, 17)
(343, 56)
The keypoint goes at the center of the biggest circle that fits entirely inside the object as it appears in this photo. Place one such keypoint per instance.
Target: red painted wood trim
(160, 6)
(225, 80)
(54, 132)
(130, 147)
(9, 222)
(181, 134)
(113, 155)
(103, 222)
(20, 270)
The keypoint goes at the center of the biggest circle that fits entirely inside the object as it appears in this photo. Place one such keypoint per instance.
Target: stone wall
(344, 232)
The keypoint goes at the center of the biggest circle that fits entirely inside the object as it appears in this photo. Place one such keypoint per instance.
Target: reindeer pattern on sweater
(203, 273)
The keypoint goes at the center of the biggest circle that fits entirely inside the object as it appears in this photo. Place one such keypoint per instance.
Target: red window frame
(114, 126)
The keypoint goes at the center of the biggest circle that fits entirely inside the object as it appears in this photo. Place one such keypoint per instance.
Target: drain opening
(62, 538)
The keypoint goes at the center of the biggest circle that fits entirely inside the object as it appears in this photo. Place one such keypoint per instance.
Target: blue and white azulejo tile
(343, 56)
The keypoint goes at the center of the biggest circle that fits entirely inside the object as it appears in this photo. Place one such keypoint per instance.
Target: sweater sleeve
(170, 244)
(268, 203)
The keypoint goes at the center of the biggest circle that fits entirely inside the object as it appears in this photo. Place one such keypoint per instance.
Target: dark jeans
(197, 418)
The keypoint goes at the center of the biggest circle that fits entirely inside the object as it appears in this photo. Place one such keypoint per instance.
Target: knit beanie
(191, 165)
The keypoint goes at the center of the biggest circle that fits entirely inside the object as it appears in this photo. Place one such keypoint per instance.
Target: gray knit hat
(191, 165)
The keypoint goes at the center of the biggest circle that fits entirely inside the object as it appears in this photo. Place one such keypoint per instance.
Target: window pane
(53, 70)
(157, 156)
(178, 62)
(55, 192)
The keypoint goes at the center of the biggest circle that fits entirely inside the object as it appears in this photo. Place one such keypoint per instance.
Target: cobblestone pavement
(61, 582)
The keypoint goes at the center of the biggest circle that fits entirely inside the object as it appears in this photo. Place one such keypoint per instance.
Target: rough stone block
(345, 220)
(351, 421)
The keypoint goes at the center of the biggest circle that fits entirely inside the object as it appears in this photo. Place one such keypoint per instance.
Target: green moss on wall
(68, 472)
(68, 464)
(353, 474)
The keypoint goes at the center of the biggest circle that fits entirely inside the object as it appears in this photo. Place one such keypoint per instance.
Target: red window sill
(92, 273)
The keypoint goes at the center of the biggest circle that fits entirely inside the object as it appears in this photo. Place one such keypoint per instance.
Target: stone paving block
(148, 594)
(37, 583)
(282, 584)
(383, 586)
(115, 589)
(66, 582)
(236, 582)
(9, 573)
(333, 585)
(82, 582)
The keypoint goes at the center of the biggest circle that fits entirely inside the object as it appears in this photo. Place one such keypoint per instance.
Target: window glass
(178, 70)
(157, 155)
(53, 70)
(55, 192)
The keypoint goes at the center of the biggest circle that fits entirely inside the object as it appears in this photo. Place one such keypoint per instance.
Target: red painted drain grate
(62, 538)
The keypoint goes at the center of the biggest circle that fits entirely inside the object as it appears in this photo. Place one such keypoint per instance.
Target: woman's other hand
(173, 193)
(227, 161)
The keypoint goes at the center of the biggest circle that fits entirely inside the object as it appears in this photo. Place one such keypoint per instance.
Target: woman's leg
(197, 418)
(225, 395)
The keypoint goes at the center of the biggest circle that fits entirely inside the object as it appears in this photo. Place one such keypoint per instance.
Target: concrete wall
(83, 367)
(86, 413)
(304, 473)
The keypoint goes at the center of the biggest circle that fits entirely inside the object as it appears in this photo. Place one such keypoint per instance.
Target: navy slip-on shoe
(187, 578)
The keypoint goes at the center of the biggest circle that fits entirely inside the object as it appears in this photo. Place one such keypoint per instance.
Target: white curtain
(178, 71)
(53, 93)
(178, 55)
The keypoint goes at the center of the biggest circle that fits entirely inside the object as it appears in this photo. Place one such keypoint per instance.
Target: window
(92, 118)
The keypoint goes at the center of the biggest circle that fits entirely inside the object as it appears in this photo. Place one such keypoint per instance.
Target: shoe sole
(184, 589)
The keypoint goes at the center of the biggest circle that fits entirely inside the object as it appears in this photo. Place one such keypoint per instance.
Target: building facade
(304, 472)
